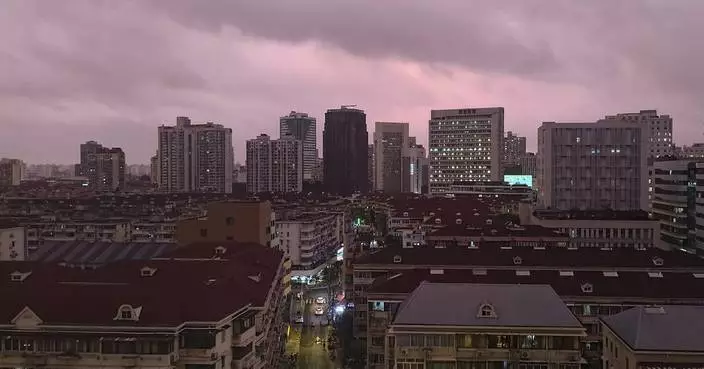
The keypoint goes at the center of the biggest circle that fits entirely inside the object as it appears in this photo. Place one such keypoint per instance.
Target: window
(501, 342)
(229, 221)
(486, 311)
(204, 232)
(126, 314)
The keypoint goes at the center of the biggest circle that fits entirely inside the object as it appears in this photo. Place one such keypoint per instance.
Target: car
(319, 310)
(320, 300)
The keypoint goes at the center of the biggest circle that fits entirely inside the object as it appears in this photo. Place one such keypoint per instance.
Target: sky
(113, 71)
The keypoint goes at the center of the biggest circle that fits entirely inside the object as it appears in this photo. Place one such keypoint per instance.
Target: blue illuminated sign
(522, 179)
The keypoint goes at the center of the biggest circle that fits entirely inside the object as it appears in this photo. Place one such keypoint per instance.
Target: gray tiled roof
(82, 252)
(668, 328)
(458, 304)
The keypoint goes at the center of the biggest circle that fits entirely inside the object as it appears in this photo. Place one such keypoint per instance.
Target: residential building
(303, 128)
(12, 172)
(310, 240)
(514, 149)
(491, 189)
(659, 127)
(104, 167)
(590, 281)
(528, 164)
(345, 151)
(371, 172)
(661, 336)
(696, 151)
(485, 326)
(274, 165)
(137, 319)
(604, 229)
(154, 171)
(416, 162)
(13, 242)
(391, 145)
(465, 145)
(195, 157)
(678, 203)
(240, 221)
(87, 149)
(318, 170)
(599, 165)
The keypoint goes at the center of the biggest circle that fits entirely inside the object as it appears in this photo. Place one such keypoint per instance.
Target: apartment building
(274, 165)
(465, 145)
(226, 311)
(598, 228)
(195, 157)
(391, 145)
(107, 230)
(303, 128)
(695, 151)
(310, 240)
(659, 127)
(416, 163)
(678, 203)
(13, 242)
(514, 149)
(485, 326)
(241, 221)
(600, 165)
(528, 163)
(591, 282)
(345, 151)
(660, 336)
(12, 172)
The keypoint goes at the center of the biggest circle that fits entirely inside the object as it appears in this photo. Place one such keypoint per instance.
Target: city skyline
(137, 75)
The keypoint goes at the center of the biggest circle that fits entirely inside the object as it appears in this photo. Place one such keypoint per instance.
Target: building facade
(310, 241)
(465, 145)
(195, 157)
(391, 144)
(12, 172)
(303, 128)
(599, 165)
(345, 151)
(13, 242)
(528, 163)
(678, 203)
(371, 173)
(514, 149)
(415, 164)
(659, 128)
(696, 151)
(274, 165)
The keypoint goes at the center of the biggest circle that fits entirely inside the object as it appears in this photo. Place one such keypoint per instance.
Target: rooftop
(592, 214)
(566, 282)
(664, 328)
(555, 257)
(81, 252)
(485, 305)
(208, 289)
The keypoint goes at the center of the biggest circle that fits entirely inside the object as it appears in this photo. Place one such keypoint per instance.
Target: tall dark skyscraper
(345, 145)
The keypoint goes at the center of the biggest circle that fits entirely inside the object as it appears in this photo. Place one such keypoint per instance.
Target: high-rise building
(465, 145)
(303, 128)
(391, 144)
(678, 199)
(371, 175)
(154, 169)
(514, 149)
(274, 165)
(195, 157)
(103, 166)
(660, 129)
(345, 151)
(414, 165)
(12, 172)
(590, 166)
(528, 164)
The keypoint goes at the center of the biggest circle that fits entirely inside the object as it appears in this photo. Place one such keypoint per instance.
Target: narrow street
(309, 340)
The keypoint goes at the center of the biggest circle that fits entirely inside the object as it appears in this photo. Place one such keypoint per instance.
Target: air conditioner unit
(214, 356)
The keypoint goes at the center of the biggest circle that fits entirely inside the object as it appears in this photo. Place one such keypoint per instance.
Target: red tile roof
(181, 290)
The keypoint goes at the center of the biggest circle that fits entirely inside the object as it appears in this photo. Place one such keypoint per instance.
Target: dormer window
(220, 250)
(458, 221)
(18, 276)
(517, 260)
(147, 272)
(587, 288)
(658, 261)
(127, 312)
(397, 259)
(486, 311)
